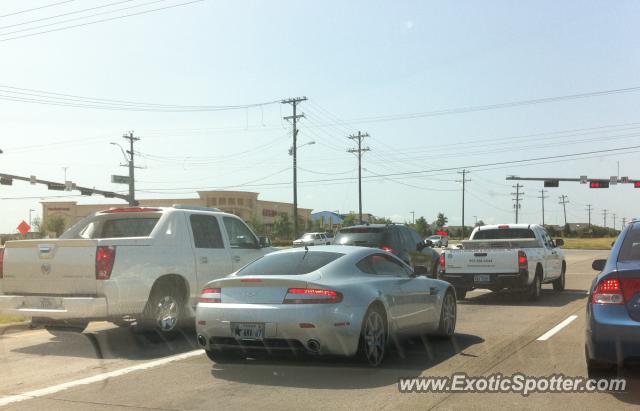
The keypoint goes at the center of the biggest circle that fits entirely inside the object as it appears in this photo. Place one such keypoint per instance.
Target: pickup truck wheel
(535, 288)
(461, 293)
(164, 312)
(558, 284)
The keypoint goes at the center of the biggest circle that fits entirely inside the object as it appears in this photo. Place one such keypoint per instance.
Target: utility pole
(542, 196)
(413, 217)
(359, 152)
(294, 120)
(589, 211)
(464, 180)
(624, 222)
(614, 221)
(31, 210)
(564, 200)
(517, 198)
(132, 181)
(604, 214)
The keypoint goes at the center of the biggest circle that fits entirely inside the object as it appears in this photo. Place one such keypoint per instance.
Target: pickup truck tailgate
(50, 267)
(481, 261)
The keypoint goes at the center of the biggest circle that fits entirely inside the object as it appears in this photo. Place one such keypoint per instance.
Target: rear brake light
(523, 262)
(608, 291)
(311, 296)
(131, 210)
(630, 287)
(443, 263)
(503, 226)
(388, 249)
(210, 295)
(1, 262)
(105, 257)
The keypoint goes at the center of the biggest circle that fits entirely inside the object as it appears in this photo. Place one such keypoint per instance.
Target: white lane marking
(96, 378)
(554, 330)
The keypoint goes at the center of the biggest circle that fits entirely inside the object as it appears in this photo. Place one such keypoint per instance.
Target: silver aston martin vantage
(333, 300)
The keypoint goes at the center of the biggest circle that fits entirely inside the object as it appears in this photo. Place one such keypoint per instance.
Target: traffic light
(6, 181)
(636, 184)
(599, 184)
(56, 186)
(551, 183)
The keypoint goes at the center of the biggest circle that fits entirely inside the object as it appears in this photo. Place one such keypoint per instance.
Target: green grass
(588, 243)
(11, 319)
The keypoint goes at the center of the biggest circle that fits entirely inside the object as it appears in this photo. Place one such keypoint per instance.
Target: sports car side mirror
(598, 265)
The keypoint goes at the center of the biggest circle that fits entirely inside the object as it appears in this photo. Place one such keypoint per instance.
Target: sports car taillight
(311, 296)
(443, 263)
(608, 291)
(210, 295)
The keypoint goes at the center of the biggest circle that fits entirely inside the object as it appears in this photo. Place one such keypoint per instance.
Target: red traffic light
(599, 184)
(636, 184)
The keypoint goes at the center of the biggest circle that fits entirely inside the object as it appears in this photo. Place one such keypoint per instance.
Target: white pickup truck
(123, 265)
(511, 256)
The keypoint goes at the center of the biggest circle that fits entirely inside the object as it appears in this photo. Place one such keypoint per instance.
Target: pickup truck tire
(558, 284)
(461, 293)
(165, 310)
(535, 288)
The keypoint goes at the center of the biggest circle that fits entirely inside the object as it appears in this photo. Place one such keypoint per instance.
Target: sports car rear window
(295, 263)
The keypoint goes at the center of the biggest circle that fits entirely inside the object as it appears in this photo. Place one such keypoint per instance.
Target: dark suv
(394, 238)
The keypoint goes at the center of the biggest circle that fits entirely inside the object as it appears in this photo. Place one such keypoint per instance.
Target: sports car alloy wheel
(374, 338)
(448, 320)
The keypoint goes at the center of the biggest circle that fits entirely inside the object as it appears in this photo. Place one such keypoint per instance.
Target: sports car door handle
(204, 260)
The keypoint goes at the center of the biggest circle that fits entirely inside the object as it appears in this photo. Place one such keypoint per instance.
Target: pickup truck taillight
(1, 262)
(443, 263)
(105, 257)
(523, 262)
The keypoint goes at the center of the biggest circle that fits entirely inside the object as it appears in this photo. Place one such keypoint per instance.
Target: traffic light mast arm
(108, 194)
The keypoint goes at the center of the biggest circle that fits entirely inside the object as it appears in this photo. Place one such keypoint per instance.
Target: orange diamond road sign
(24, 227)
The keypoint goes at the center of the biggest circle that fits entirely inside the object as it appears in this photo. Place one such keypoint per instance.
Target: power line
(36, 8)
(101, 21)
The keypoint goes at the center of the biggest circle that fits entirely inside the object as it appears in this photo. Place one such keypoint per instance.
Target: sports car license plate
(482, 278)
(248, 331)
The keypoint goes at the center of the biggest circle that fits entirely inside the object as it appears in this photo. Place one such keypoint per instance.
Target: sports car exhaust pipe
(313, 346)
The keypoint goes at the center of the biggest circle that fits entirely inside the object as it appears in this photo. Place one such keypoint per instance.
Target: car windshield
(290, 263)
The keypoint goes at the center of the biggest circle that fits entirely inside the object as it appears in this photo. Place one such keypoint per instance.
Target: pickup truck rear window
(120, 227)
(289, 263)
(504, 234)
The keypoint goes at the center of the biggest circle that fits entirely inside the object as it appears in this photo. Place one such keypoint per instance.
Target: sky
(364, 66)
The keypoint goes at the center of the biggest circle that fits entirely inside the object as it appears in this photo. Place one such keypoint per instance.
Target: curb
(22, 326)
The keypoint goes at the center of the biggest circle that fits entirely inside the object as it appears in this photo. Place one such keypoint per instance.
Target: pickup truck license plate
(47, 303)
(248, 331)
(481, 278)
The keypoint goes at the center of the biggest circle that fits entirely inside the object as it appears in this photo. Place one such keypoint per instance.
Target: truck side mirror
(559, 242)
(265, 241)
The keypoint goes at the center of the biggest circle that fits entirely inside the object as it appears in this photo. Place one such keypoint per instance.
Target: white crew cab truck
(141, 263)
(505, 256)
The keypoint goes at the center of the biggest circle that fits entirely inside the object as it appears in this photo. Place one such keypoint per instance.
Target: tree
(422, 227)
(256, 224)
(38, 227)
(349, 220)
(282, 227)
(380, 220)
(480, 223)
(56, 224)
(317, 225)
(441, 220)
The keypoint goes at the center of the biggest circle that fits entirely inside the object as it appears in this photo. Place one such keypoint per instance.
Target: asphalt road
(109, 368)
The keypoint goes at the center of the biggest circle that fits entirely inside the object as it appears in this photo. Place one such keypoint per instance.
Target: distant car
(397, 239)
(330, 236)
(613, 306)
(310, 239)
(333, 300)
(439, 240)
